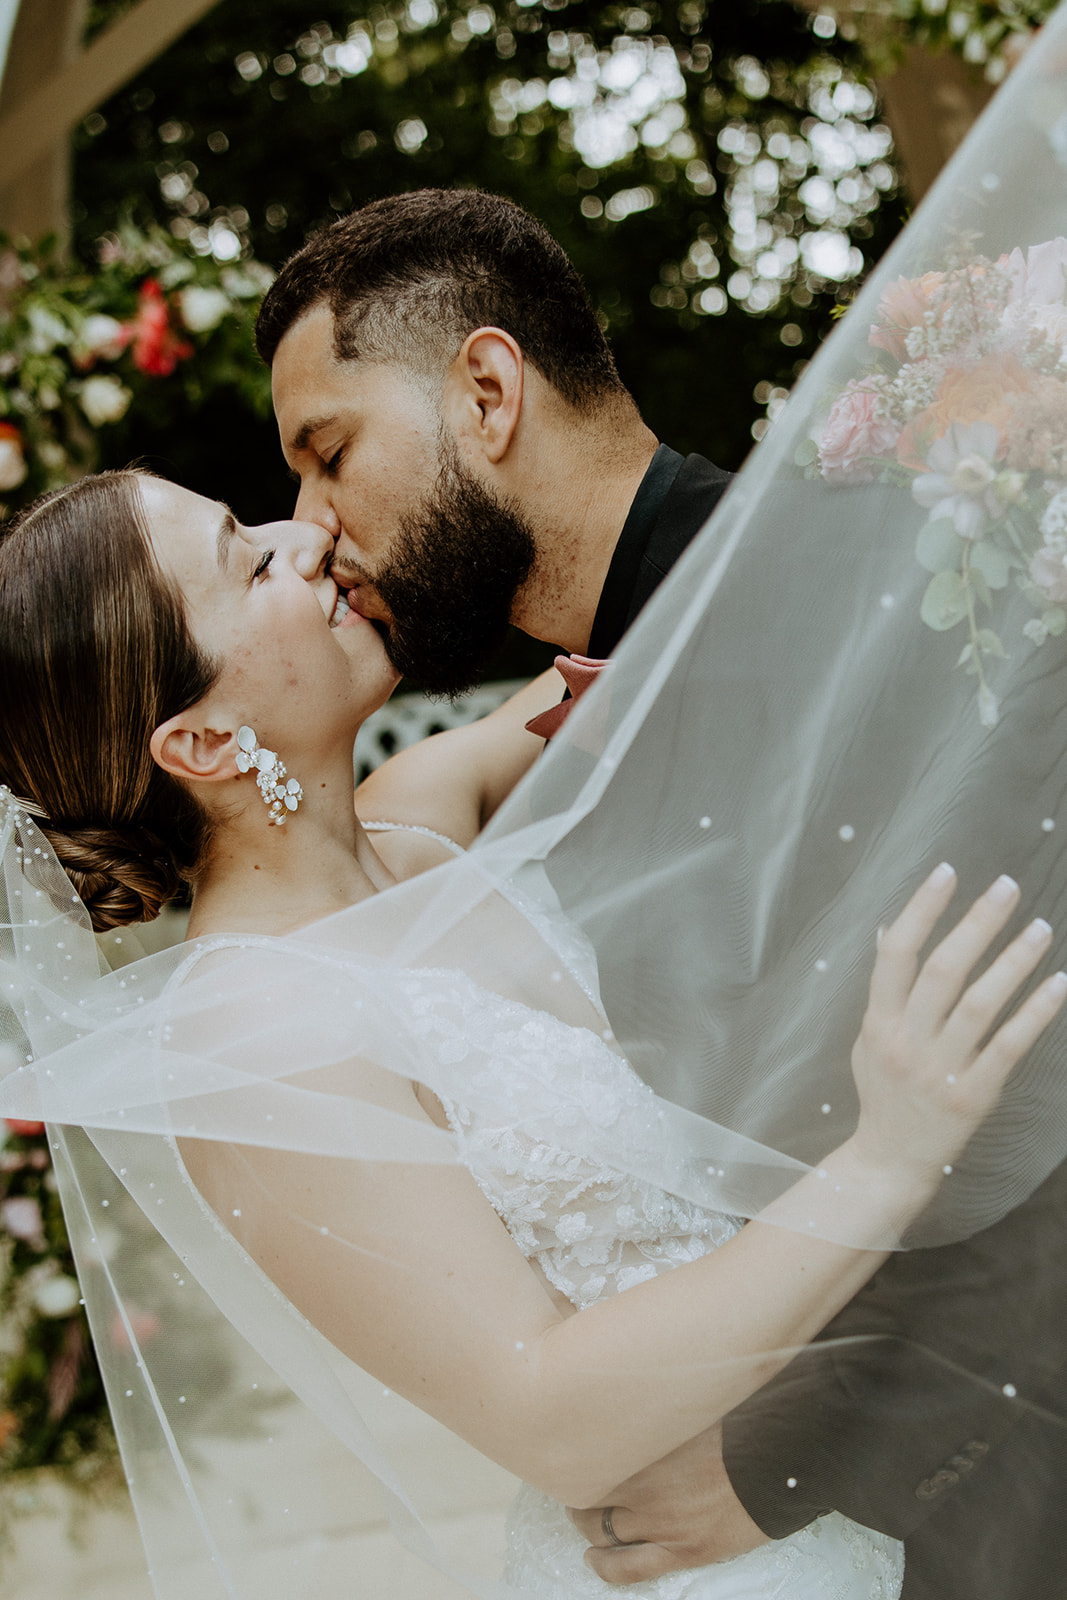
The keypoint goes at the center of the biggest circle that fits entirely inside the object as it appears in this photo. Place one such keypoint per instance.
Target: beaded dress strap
(414, 827)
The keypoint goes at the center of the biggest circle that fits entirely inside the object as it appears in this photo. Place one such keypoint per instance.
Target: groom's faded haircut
(408, 277)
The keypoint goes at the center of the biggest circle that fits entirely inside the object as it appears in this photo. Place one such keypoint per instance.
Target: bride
(294, 1086)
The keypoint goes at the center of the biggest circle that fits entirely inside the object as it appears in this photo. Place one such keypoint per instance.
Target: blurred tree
(715, 168)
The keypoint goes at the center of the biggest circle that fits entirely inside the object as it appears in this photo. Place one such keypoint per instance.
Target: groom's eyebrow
(224, 538)
(308, 430)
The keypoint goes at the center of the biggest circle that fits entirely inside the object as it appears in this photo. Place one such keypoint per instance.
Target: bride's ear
(188, 749)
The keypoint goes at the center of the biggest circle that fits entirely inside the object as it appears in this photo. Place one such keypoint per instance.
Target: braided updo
(95, 653)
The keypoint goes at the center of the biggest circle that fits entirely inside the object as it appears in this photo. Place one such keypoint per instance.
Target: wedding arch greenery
(717, 169)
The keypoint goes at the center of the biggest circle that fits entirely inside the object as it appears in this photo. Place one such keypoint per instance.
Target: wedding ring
(609, 1532)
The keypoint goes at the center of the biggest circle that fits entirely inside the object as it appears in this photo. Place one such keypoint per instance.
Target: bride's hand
(928, 1066)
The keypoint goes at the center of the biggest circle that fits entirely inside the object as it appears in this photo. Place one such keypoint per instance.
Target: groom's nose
(312, 505)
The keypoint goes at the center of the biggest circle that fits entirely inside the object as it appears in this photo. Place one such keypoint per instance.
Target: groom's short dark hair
(408, 277)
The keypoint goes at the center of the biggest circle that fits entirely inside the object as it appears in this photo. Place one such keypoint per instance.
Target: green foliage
(691, 220)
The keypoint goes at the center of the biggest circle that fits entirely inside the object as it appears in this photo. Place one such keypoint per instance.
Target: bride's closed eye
(262, 564)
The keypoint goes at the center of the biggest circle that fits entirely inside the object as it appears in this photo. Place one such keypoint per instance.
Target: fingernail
(940, 875)
(1058, 983)
(1003, 890)
(879, 936)
(1038, 931)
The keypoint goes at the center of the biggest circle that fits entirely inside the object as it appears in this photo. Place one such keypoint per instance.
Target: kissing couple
(767, 1095)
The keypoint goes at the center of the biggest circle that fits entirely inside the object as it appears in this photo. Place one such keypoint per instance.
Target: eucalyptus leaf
(945, 601)
(939, 547)
(992, 563)
(806, 453)
(980, 585)
(989, 644)
(965, 655)
(1055, 621)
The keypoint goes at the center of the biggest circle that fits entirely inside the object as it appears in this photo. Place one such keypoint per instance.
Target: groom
(448, 402)
(447, 399)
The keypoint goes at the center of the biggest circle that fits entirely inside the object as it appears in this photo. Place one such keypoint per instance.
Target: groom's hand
(680, 1512)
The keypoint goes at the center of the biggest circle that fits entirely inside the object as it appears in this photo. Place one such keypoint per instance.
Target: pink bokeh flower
(143, 1324)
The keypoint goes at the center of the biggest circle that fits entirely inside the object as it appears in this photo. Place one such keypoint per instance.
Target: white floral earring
(281, 795)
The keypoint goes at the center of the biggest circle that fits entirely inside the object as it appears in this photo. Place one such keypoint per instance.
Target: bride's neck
(260, 878)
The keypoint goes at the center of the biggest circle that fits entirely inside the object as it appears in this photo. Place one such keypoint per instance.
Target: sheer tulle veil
(858, 670)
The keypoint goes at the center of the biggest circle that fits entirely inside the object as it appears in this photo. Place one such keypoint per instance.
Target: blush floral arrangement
(154, 324)
(966, 404)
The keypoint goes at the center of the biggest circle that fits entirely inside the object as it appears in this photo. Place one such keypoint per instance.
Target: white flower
(101, 338)
(57, 1296)
(21, 1216)
(104, 399)
(1053, 522)
(13, 468)
(1039, 278)
(46, 330)
(963, 463)
(571, 1229)
(203, 309)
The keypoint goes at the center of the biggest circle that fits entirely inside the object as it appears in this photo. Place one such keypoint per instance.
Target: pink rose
(1048, 570)
(857, 435)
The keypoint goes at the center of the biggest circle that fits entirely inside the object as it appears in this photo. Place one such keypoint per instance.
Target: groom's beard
(450, 583)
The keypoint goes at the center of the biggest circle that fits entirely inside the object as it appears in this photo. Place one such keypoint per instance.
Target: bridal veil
(858, 670)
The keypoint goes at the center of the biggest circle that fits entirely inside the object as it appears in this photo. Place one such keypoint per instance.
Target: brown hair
(408, 277)
(95, 652)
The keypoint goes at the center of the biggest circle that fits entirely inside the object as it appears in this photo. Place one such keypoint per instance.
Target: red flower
(27, 1130)
(156, 347)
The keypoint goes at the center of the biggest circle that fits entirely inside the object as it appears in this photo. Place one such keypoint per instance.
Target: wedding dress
(595, 1231)
(592, 1230)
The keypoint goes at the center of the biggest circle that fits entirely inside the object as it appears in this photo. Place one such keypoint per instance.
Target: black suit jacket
(943, 1420)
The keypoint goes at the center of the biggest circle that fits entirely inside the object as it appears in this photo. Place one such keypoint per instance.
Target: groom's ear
(187, 748)
(483, 393)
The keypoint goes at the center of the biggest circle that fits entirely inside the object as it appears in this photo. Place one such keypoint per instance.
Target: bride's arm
(453, 782)
(406, 1268)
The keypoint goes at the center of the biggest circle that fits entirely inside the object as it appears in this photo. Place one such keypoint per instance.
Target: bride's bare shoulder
(452, 782)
